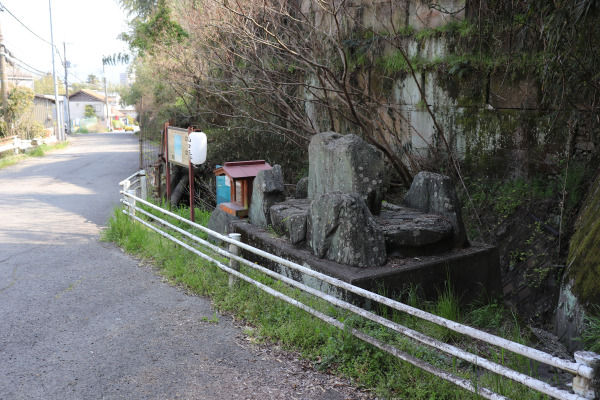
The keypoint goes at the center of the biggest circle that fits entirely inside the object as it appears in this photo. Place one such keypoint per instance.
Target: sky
(88, 27)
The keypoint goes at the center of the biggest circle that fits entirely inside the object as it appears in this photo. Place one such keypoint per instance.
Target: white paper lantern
(197, 147)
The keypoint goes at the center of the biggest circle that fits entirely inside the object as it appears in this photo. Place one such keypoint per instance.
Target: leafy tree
(138, 8)
(89, 111)
(20, 103)
(94, 82)
(20, 106)
(45, 85)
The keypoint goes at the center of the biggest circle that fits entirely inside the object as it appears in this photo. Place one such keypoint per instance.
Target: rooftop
(243, 169)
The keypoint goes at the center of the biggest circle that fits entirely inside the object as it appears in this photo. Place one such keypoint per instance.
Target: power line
(28, 70)
(3, 8)
(11, 55)
(24, 66)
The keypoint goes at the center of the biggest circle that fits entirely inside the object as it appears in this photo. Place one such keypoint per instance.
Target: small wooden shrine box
(241, 175)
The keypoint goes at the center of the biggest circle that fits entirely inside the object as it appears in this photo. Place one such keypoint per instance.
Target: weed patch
(39, 151)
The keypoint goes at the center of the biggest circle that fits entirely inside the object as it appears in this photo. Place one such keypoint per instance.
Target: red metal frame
(168, 170)
(191, 172)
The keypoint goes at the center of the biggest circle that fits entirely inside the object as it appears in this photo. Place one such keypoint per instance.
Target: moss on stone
(584, 250)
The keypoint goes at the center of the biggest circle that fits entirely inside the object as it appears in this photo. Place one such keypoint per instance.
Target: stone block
(289, 219)
(410, 233)
(219, 222)
(341, 228)
(346, 163)
(267, 190)
(435, 193)
(301, 189)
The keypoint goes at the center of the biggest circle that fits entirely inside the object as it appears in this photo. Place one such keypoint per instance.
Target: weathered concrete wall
(386, 16)
(483, 112)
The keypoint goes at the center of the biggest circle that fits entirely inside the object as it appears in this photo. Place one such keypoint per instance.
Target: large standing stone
(341, 228)
(289, 218)
(348, 164)
(435, 193)
(267, 190)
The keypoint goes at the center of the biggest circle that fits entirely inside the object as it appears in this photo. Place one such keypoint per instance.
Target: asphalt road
(80, 319)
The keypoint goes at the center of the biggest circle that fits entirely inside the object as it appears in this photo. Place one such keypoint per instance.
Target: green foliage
(20, 103)
(90, 111)
(393, 63)
(115, 59)
(487, 316)
(45, 85)
(139, 8)
(158, 28)
(584, 249)
(7, 160)
(117, 123)
(591, 332)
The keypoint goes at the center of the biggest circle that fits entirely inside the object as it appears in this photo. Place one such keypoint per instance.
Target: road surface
(80, 319)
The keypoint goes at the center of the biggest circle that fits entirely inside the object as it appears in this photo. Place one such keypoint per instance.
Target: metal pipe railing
(580, 369)
(526, 380)
(461, 382)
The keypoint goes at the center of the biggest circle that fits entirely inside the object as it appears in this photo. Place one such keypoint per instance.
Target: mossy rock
(584, 250)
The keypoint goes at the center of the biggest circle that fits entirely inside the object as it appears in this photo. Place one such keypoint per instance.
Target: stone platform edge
(473, 272)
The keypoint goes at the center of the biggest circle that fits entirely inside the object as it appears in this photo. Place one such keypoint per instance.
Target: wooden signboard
(178, 146)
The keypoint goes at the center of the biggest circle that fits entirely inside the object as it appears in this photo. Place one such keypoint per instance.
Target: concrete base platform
(473, 273)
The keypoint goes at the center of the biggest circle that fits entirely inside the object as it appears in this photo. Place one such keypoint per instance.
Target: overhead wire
(11, 55)
(3, 8)
(56, 49)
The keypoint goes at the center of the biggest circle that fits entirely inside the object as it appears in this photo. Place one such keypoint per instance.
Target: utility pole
(67, 89)
(108, 122)
(4, 78)
(59, 130)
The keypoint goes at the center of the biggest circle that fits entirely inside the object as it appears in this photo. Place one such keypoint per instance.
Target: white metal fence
(16, 144)
(583, 368)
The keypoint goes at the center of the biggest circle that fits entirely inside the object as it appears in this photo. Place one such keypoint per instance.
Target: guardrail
(15, 143)
(10, 143)
(584, 368)
(135, 184)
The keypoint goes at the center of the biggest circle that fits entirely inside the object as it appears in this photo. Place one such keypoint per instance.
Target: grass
(39, 151)
(591, 335)
(330, 349)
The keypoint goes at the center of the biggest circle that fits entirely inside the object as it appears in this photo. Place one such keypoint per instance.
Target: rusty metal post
(167, 169)
(585, 386)
(159, 180)
(191, 182)
(141, 150)
(233, 264)
(192, 194)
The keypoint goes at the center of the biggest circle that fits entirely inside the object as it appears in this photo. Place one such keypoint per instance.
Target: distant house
(85, 97)
(18, 77)
(130, 111)
(44, 110)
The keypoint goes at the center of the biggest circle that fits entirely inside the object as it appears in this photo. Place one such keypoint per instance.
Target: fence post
(233, 264)
(583, 386)
(133, 201)
(143, 185)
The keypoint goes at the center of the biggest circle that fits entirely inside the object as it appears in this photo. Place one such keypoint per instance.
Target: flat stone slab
(409, 232)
